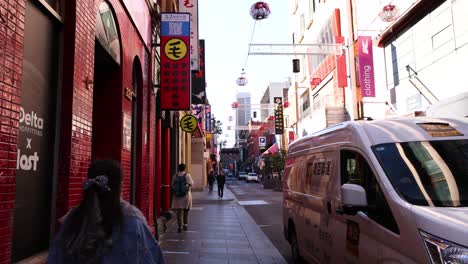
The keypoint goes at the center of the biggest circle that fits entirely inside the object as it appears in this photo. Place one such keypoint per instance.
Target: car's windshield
(431, 173)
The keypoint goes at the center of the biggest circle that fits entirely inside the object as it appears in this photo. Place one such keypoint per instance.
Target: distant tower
(243, 112)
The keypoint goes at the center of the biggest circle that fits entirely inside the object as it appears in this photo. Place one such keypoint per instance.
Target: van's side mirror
(353, 198)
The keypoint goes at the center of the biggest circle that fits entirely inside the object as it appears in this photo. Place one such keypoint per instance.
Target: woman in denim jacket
(104, 228)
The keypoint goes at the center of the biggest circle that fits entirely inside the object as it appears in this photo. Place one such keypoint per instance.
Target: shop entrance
(35, 162)
(107, 91)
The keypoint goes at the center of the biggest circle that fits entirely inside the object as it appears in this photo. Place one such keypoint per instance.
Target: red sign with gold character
(175, 61)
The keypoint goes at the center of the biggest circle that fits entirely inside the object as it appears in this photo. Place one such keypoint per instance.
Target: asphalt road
(269, 216)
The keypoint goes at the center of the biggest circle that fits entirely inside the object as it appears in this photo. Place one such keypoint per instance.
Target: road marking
(174, 240)
(261, 226)
(252, 202)
(197, 208)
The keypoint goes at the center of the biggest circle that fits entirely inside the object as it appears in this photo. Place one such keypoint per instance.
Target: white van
(390, 191)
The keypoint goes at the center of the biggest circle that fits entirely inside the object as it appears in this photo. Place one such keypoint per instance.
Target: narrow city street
(225, 231)
(115, 115)
(265, 207)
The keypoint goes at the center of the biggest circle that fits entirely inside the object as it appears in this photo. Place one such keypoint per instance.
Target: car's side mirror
(353, 199)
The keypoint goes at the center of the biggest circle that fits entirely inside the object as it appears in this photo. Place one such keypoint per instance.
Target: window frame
(391, 224)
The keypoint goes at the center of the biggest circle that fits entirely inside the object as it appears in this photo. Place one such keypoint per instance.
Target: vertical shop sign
(198, 78)
(366, 67)
(208, 118)
(199, 112)
(279, 122)
(191, 7)
(175, 61)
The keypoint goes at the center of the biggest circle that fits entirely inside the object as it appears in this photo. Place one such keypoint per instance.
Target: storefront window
(55, 5)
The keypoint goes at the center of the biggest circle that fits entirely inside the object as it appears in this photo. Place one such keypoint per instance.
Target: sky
(226, 26)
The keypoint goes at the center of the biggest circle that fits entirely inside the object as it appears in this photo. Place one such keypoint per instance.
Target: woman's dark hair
(87, 232)
(181, 167)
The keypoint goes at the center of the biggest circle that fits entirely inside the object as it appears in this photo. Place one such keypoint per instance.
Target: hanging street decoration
(260, 10)
(242, 80)
(389, 13)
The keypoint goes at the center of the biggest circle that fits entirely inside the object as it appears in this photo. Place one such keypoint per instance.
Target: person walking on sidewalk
(221, 179)
(104, 228)
(182, 196)
(211, 179)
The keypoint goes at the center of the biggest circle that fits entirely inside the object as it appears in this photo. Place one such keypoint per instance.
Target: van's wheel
(294, 247)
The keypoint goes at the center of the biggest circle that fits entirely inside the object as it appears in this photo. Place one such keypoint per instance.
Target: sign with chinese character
(198, 78)
(279, 121)
(262, 141)
(175, 61)
(366, 67)
(188, 123)
(191, 6)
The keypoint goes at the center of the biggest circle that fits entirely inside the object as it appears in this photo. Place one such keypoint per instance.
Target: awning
(417, 11)
(271, 150)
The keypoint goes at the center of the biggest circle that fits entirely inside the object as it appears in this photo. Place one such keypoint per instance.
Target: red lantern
(316, 81)
(235, 105)
(260, 10)
(242, 80)
(286, 104)
(389, 13)
(271, 118)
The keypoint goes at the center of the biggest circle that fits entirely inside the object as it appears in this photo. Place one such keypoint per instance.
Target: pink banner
(366, 67)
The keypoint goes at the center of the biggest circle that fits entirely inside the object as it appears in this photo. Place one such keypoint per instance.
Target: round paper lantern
(389, 13)
(242, 80)
(260, 10)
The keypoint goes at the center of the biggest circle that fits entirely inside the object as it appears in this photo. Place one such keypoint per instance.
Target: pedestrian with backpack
(182, 197)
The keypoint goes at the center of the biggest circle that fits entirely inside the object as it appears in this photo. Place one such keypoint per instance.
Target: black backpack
(181, 186)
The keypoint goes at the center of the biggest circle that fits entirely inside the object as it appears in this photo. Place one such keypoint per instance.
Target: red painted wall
(11, 60)
(75, 150)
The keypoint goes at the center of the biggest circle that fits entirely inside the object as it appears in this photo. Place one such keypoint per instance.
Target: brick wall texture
(75, 150)
(12, 14)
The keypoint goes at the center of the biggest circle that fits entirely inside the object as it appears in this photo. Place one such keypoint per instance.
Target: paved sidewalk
(220, 231)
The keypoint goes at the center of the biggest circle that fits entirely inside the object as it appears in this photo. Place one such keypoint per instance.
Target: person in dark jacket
(221, 179)
(211, 179)
(104, 228)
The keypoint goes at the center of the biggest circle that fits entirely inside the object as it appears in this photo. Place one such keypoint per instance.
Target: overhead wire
(250, 42)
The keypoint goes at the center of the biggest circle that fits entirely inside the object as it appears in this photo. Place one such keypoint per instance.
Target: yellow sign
(175, 49)
(209, 136)
(188, 123)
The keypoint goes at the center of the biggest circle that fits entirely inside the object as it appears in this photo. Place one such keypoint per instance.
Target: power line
(251, 39)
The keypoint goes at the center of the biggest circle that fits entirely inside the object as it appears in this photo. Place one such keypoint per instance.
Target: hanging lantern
(260, 10)
(235, 105)
(242, 80)
(389, 13)
(286, 104)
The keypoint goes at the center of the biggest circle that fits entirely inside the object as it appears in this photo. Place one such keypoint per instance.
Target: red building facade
(76, 84)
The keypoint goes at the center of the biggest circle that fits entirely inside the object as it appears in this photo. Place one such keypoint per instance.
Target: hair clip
(100, 181)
